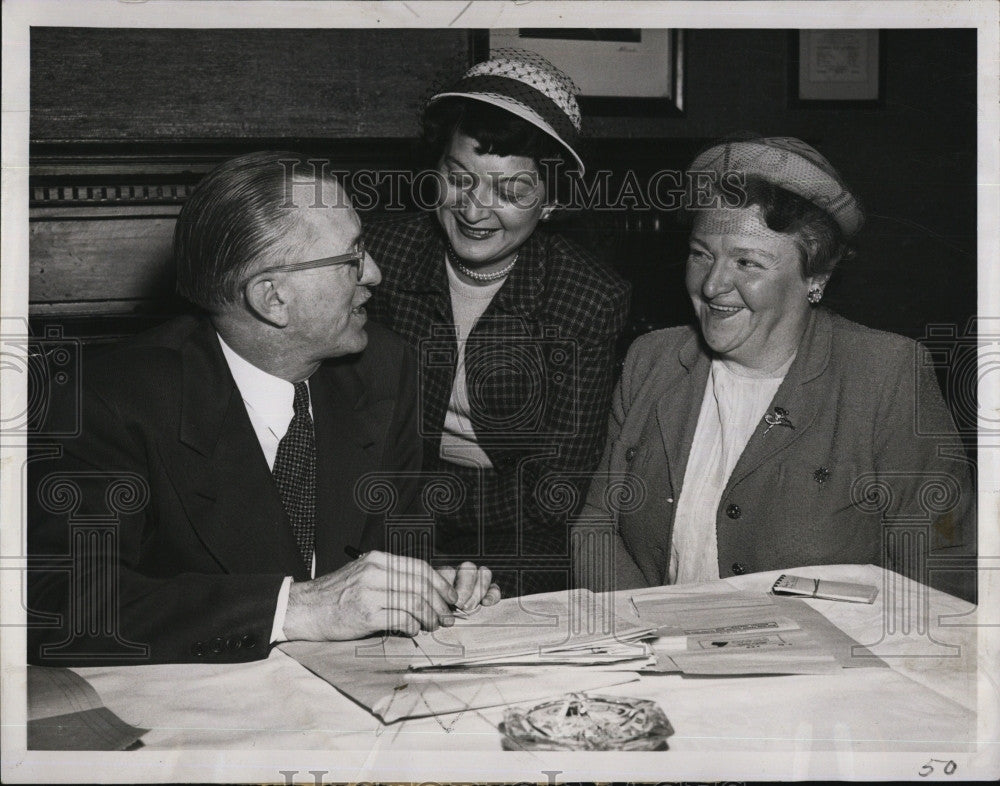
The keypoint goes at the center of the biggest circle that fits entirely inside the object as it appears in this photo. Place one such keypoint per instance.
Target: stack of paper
(497, 656)
(743, 633)
(577, 628)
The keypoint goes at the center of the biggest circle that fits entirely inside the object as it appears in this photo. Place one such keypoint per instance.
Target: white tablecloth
(928, 704)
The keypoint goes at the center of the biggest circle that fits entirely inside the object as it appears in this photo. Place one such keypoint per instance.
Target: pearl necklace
(475, 275)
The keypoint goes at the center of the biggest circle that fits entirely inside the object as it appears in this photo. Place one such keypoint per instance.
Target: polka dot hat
(527, 85)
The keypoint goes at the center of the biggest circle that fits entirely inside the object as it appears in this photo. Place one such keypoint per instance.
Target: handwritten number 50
(928, 768)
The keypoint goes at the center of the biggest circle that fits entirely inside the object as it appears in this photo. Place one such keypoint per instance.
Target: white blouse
(731, 408)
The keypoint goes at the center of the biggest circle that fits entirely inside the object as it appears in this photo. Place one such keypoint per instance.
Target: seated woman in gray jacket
(773, 434)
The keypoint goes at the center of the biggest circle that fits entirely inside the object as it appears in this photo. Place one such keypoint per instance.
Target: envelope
(391, 691)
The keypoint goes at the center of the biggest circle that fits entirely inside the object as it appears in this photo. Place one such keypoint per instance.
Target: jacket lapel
(230, 497)
(678, 408)
(425, 284)
(522, 291)
(344, 440)
(793, 396)
(426, 276)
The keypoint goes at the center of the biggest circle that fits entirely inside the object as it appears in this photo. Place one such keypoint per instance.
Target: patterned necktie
(295, 474)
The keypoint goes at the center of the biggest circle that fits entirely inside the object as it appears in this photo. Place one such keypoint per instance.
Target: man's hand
(374, 593)
(474, 585)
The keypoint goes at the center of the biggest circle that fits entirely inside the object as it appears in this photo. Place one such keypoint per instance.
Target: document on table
(570, 627)
(514, 651)
(676, 618)
(744, 633)
(390, 690)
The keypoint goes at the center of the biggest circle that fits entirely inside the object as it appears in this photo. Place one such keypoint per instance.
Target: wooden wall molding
(101, 220)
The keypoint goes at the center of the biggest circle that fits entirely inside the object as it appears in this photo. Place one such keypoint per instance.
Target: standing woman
(515, 327)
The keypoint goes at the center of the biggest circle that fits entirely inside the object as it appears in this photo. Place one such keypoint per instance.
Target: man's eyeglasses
(356, 258)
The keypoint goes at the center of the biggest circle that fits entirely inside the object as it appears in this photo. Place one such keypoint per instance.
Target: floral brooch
(779, 417)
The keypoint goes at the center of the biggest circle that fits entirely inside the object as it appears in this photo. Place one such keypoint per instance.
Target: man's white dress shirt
(268, 400)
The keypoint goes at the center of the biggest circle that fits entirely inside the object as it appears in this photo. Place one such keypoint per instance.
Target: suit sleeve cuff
(278, 628)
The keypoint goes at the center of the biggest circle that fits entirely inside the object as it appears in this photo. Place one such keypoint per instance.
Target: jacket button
(216, 646)
(630, 454)
(198, 649)
(739, 568)
(249, 641)
(233, 643)
(733, 511)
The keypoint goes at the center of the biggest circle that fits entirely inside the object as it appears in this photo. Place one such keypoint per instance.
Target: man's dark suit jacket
(168, 503)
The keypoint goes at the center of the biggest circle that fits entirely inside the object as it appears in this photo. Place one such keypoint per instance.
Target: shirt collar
(270, 397)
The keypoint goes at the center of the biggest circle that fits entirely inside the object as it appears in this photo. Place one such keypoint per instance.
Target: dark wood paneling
(913, 162)
(100, 260)
(141, 84)
(102, 216)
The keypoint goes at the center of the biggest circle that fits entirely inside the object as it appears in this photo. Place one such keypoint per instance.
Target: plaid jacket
(540, 364)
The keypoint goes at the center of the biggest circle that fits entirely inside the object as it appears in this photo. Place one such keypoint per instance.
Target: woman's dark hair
(497, 132)
(820, 241)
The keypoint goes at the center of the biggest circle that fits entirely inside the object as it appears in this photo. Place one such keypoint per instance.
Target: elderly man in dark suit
(226, 451)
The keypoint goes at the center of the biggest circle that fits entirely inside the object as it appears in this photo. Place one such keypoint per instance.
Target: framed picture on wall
(620, 71)
(836, 68)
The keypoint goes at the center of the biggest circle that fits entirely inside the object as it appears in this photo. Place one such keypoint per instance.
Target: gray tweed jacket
(869, 451)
